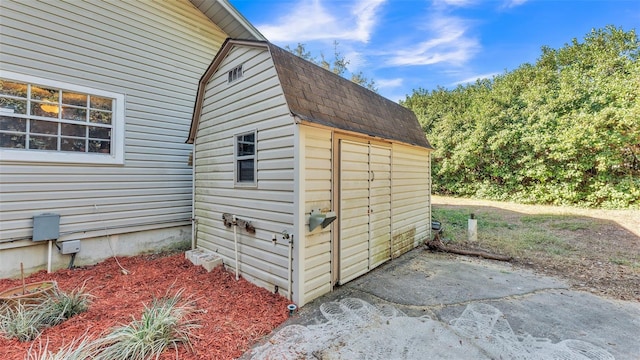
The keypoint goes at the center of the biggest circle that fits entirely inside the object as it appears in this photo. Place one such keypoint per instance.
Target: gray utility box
(46, 227)
(70, 247)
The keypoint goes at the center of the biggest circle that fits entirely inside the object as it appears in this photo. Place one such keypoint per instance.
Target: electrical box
(46, 227)
(70, 247)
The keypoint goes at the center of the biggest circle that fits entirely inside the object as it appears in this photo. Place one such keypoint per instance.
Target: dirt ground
(233, 314)
(604, 257)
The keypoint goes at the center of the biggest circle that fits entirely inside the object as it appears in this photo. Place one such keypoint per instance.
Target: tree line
(564, 130)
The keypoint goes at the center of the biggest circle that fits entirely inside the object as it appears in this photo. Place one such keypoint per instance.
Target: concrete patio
(440, 306)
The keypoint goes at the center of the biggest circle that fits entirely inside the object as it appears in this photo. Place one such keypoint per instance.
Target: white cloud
(459, 3)
(513, 3)
(311, 20)
(473, 78)
(389, 83)
(450, 43)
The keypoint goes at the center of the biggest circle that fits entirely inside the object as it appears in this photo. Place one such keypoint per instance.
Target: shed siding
(380, 205)
(354, 210)
(254, 102)
(154, 53)
(410, 197)
(317, 195)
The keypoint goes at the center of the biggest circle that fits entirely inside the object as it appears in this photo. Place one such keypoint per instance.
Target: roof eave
(238, 18)
(304, 120)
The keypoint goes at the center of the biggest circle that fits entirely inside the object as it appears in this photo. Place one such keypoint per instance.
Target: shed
(280, 143)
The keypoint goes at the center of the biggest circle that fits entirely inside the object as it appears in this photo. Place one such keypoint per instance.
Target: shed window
(46, 121)
(235, 73)
(245, 154)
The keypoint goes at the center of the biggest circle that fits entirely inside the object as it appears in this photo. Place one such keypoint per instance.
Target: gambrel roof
(318, 96)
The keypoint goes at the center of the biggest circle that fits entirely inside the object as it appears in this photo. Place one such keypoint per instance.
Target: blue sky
(409, 44)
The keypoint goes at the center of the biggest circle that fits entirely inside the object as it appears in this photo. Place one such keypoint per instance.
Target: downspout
(235, 242)
(290, 280)
(194, 221)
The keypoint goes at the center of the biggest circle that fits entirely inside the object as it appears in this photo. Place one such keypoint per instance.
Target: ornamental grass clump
(26, 321)
(79, 349)
(67, 305)
(23, 322)
(165, 323)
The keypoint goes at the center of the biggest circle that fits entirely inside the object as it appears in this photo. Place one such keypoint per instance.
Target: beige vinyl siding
(354, 210)
(380, 205)
(317, 195)
(154, 53)
(254, 102)
(365, 208)
(411, 198)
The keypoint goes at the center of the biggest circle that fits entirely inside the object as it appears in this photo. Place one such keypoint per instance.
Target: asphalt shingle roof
(322, 97)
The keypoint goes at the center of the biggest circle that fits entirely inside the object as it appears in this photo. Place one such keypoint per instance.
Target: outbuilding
(303, 180)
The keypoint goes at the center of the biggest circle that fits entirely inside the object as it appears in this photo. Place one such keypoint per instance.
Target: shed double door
(365, 208)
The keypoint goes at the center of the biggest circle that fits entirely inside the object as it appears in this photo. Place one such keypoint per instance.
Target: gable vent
(235, 73)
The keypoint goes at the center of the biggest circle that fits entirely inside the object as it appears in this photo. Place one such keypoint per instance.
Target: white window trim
(116, 157)
(245, 184)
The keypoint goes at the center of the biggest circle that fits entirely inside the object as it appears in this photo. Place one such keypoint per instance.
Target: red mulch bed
(234, 316)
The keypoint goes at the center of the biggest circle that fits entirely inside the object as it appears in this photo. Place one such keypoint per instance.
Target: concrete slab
(416, 279)
(436, 306)
(559, 315)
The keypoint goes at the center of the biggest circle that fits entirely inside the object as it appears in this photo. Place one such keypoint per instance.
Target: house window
(235, 73)
(245, 158)
(46, 121)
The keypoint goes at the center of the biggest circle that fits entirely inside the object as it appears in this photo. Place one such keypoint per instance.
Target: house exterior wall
(410, 197)
(253, 103)
(153, 53)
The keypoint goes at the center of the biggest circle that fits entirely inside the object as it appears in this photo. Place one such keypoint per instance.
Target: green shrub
(561, 131)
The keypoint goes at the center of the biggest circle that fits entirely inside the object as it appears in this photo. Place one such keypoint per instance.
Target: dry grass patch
(595, 250)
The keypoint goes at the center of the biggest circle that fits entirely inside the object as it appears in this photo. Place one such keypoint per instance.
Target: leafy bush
(562, 131)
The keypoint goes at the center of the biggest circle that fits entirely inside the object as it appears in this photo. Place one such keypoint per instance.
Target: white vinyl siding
(411, 197)
(254, 104)
(152, 52)
(317, 195)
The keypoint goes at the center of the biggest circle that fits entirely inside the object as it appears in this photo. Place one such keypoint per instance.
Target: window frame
(237, 158)
(116, 155)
